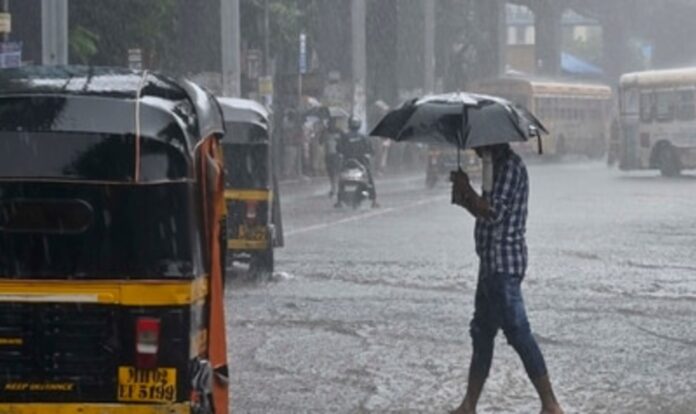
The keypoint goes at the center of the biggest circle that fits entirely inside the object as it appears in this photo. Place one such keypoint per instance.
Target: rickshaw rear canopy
(92, 115)
(246, 121)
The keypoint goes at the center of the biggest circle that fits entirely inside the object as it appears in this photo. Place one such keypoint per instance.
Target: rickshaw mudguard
(215, 209)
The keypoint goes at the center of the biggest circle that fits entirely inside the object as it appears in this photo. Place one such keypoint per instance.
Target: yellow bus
(657, 120)
(576, 114)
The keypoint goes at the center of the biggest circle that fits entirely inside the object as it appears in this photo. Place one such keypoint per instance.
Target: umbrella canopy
(465, 120)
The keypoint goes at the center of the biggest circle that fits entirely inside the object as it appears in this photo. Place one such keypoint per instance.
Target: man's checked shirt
(500, 240)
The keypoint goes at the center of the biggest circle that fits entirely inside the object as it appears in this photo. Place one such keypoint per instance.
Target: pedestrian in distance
(332, 159)
(501, 215)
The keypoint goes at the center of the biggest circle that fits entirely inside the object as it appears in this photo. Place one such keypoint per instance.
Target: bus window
(664, 104)
(686, 110)
(577, 110)
(630, 101)
(646, 106)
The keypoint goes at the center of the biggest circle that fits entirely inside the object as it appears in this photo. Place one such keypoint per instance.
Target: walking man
(501, 216)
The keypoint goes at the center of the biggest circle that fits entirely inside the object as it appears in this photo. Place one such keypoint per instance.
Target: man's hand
(461, 188)
(464, 195)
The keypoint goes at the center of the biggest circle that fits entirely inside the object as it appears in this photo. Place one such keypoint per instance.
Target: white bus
(657, 121)
(576, 114)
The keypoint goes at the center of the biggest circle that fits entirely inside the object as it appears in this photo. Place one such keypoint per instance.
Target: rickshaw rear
(110, 295)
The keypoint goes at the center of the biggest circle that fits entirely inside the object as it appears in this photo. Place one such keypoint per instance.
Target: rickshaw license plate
(257, 233)
(151, 385)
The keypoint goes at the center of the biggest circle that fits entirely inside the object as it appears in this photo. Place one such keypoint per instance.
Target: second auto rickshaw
(254, 224)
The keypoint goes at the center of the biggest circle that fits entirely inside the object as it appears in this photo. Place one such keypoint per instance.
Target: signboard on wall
(10, 54)
(135, 58)
(303, 53)
(5, 22)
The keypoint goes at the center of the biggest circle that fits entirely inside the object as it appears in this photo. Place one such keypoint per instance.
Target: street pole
(359, 57)
(230, 42)
(302, 66)
(429, 55)
(266, 40)
(54, 32)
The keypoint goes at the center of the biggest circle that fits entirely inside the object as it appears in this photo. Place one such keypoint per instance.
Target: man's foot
(338, 204)
(552, 410)
(465, 408)
(549, 404)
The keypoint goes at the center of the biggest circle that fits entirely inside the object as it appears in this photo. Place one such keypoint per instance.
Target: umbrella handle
(541, 145)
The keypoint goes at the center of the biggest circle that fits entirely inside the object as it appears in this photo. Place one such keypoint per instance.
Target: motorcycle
(353, 184)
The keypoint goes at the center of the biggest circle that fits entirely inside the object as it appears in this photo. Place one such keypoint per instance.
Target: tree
(102, 34)
(83, 45)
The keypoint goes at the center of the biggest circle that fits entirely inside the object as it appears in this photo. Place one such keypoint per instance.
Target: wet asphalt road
(369, 310)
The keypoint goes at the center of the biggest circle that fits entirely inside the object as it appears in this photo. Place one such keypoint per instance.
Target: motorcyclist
(355, 145)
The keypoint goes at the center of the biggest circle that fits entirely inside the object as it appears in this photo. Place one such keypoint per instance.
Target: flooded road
(369, 311)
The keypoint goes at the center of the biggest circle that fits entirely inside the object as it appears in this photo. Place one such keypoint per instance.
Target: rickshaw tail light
(251, 208)
(147, 332)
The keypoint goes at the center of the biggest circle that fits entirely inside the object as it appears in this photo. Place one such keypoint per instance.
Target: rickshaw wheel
(262, 264)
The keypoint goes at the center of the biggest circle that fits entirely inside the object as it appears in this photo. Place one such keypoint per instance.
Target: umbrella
(465, 120)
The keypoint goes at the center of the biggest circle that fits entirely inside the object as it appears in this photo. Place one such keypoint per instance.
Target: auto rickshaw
(254, 223)
(111, 195)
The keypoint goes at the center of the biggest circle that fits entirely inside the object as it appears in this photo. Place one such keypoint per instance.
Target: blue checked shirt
(500, 240)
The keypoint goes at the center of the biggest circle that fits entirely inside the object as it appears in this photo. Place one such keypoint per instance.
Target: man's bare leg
(549, 404)
(473, 392)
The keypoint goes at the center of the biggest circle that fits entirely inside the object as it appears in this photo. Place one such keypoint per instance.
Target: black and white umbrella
(465, 120)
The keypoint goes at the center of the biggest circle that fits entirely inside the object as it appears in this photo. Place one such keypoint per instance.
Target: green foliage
(287, 19)
(102, 32)
(83, 44)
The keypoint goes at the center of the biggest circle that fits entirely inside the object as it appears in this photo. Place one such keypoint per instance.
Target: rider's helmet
(354, 123)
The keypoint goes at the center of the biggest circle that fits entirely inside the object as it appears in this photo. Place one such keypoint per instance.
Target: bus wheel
(262, 264)
(668, 162)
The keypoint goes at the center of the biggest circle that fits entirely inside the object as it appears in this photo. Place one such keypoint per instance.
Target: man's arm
(503, 192)
(464, 195)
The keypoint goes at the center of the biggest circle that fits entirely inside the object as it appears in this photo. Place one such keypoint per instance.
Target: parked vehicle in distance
(577, 115)
(254, 224)
(657, 120)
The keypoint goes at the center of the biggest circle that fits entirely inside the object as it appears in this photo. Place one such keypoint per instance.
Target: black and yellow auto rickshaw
(110, 280)
(254, 224)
